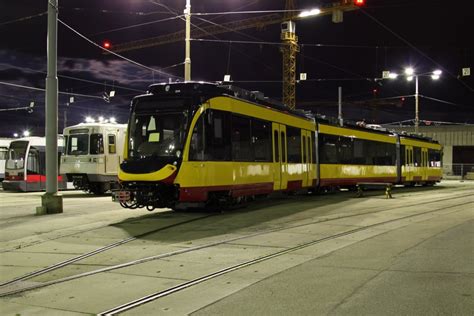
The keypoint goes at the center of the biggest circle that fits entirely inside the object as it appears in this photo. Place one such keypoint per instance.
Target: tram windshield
(78, 144)
(158, 135)
(16, 155)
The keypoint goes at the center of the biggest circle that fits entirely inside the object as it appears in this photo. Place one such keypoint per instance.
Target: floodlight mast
(410, 75)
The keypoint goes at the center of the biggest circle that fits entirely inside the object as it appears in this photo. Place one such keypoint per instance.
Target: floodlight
(409, 71)
(392, 75)
(307, 13)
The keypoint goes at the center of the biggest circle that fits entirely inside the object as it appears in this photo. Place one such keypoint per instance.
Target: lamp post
(410, 75)
(187, 59)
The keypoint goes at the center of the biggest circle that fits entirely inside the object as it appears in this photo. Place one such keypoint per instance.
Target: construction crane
(289, 48)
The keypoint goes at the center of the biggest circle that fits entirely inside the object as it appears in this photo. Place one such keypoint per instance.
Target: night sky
(384, 35)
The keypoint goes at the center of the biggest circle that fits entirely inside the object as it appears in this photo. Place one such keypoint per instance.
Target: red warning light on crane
(359, 2)
(106, 44)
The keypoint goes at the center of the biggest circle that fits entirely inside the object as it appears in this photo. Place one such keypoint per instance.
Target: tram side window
(97, 144)
(313, 147)
(417, 156)
(328, 148)
(241, 139)
(283, 146)
(360, 156)
(32, 164)
(3, 153)
(345, 150)
(217, 129)
(403, 158)
(293, 140)
(434, 158)
(112, 147)
(63, 152)
(382, 153)
(261, 140)
(276, 147)
(196, 150)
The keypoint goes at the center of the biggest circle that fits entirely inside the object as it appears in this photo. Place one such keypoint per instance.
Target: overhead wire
(443, 101)
(69, 77)
(24, 18)
(415, 48)
(41, 89)
(240, 33)
(137, 25)
(242, 12)
(116, 54)
(215, 24)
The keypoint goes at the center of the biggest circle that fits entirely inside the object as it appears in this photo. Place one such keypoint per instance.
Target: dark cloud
(440, 33)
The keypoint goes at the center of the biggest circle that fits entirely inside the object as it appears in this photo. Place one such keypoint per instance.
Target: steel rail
(187, 250)
(152, 297)
(38, 242)
(97, 251)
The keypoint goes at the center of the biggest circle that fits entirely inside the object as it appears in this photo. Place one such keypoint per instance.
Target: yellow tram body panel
(359, 173)
(423, 173)
(164, 173)
(220, 174)
(349, 174)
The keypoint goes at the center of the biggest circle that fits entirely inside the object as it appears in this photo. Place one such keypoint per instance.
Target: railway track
(97, 251)
(185, 285)
(402, 190)
(28, 287)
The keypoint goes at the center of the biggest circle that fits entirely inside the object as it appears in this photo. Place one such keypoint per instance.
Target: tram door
(306, 156)
(424, 163)
(111, 158)
(36, 179)
(409, 163)
(280, 170)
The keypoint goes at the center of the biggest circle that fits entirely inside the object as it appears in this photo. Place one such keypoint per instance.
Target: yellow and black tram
(197, 144)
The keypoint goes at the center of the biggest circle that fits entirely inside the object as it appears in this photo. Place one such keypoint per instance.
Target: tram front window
(3, 153)
(158, 135)
(97, 144)
(16, 155)
(78, 144)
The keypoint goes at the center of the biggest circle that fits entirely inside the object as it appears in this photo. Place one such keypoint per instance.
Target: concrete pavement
(419, 265)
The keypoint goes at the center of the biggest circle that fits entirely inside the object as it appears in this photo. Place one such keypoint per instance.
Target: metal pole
(417, 100)
(187, 60)
(51, 202)
(339, 115)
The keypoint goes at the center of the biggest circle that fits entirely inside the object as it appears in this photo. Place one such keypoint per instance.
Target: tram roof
(210, 89)
(95, 124)
(213, 89)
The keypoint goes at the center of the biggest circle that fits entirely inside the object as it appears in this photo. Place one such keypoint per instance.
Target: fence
(459, 170)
